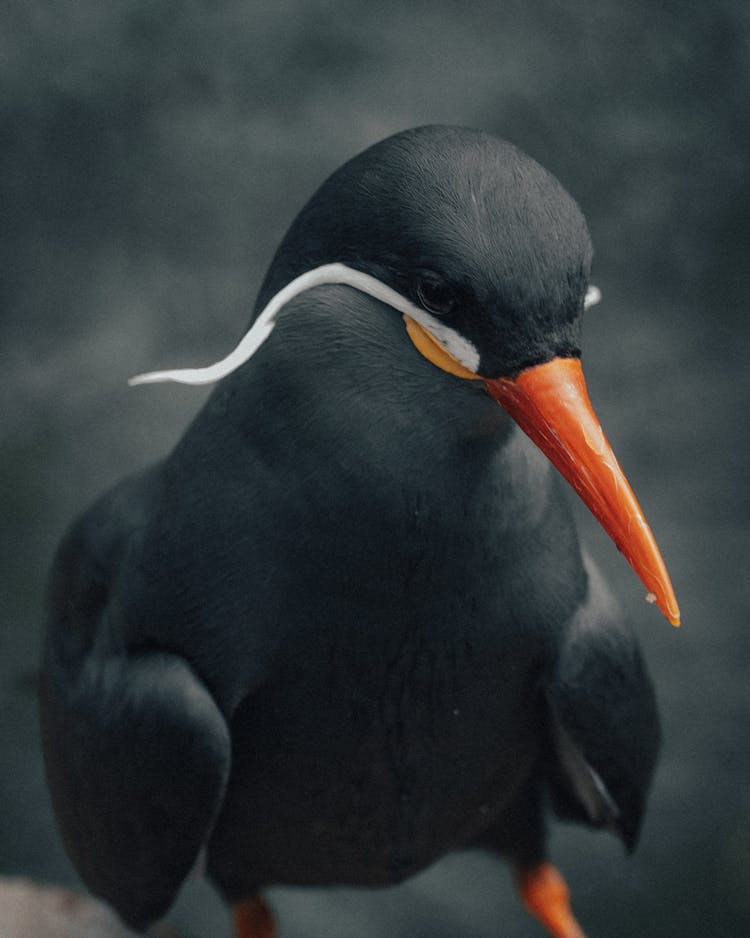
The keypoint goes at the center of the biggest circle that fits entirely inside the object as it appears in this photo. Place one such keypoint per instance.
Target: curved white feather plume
(263, 326)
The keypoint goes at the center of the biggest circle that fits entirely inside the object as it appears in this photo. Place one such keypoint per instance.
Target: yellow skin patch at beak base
(433, 351)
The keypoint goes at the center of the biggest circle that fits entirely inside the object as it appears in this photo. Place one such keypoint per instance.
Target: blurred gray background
(152, 155)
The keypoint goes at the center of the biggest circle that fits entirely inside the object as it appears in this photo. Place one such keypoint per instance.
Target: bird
(346, 626)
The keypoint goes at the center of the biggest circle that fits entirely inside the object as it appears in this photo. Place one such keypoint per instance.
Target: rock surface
(29, 910)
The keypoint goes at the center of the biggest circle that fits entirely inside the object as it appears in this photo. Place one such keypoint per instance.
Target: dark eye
(434, 294)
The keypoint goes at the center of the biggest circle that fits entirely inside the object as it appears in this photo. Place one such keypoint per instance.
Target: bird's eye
(434, 294)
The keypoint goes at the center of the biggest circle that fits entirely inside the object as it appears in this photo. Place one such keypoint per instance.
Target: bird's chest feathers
(440, 536)
(409, 618)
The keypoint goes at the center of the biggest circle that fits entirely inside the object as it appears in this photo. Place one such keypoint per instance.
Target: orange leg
(545, 895)
(253, 918)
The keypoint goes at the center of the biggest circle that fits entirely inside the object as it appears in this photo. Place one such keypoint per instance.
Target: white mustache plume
(263, 326)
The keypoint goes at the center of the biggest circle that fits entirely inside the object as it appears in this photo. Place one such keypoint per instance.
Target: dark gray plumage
(345, 626)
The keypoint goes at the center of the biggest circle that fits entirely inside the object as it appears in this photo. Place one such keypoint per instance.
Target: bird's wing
(603, 720)
(136, 750)
(582, 781)
(137, 757)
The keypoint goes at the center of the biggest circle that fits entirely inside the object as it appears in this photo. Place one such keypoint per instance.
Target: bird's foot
(253, 918)
(546, 896)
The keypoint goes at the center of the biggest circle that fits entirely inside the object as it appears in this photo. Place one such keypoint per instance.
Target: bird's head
(487, 246)
(487, 258)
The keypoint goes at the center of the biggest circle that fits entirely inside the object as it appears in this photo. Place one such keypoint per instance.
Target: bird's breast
(375, 629)
(398, 715)
(382, 753)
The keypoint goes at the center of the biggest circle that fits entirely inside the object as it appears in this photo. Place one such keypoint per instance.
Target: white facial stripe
(263, 326)
(458, 346)
(593, 295)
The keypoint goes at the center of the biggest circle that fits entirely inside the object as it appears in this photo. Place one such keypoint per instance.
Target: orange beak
(551, 405)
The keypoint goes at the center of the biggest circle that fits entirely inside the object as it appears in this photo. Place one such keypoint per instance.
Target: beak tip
(669, 608)
(671, 611)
